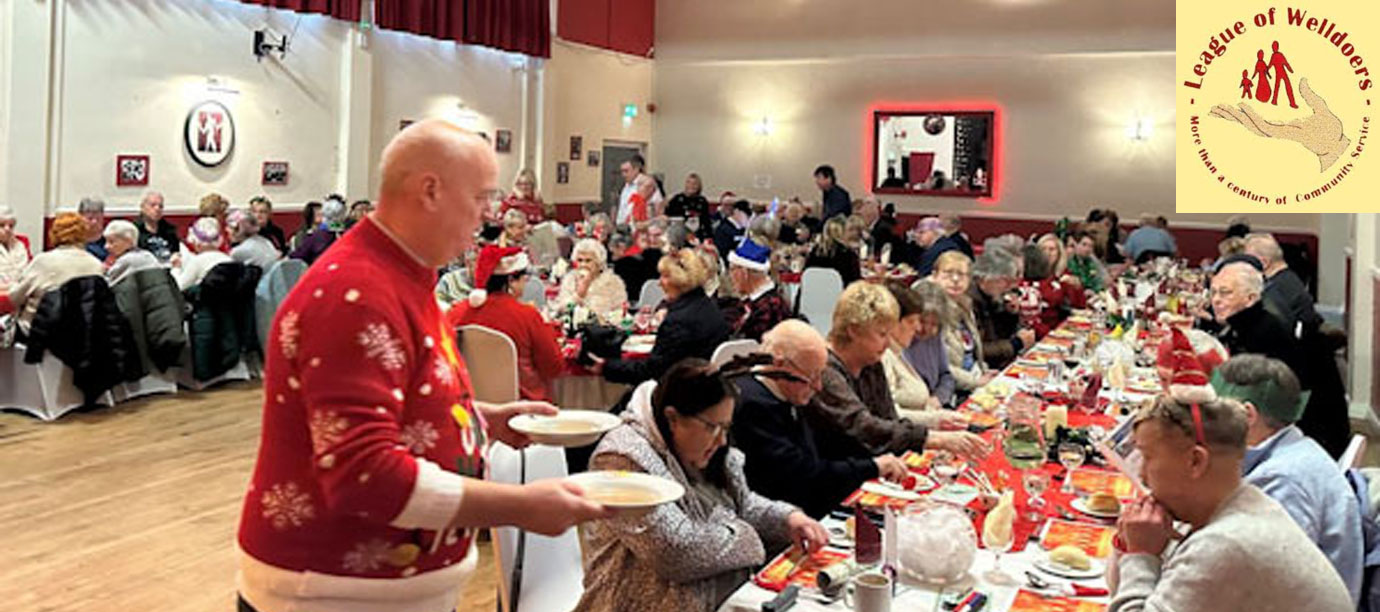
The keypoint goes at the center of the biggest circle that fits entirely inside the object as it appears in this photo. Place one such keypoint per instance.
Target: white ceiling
(795, 29)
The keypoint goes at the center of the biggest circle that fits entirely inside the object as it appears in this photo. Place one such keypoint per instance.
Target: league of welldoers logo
(1276, 106)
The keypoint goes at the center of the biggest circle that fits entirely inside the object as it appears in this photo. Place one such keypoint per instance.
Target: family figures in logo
(1261, 84)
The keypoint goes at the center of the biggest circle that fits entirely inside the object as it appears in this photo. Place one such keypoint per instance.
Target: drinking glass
(998, 547)
(1035, 482)
(1072, 455)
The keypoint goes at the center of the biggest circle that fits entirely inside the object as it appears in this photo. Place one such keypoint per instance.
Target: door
(612, 184)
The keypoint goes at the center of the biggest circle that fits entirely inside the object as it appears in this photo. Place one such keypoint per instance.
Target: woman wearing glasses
(958, 326)
(691, 554)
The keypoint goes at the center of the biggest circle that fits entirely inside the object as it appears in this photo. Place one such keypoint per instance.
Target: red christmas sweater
(368, 427)
(1044, 304)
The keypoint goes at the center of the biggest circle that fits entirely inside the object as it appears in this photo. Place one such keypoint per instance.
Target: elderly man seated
(996, 273)
(1250, 327)
(1290, 467)
(783, 461)
(759, 306)
(1284, 291)
(251, 249)
(1149, 241)
(1242, 552)
(122, 241)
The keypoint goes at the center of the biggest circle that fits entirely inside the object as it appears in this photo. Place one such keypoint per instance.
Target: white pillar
(32, 39)
(356, 112)
(1332, 230)
(1360, 345)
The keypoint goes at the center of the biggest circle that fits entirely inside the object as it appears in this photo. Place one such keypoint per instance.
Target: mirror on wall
(941, 152)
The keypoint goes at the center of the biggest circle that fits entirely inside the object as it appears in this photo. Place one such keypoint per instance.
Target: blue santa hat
(752, 256)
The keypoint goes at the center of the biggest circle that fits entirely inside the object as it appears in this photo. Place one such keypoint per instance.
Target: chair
(537, 573)
(651, 294)
(732, 348)
(273, 288)
(44, 389)
(534, 292)
(1354, 454)
(491, 358)
(819, 290)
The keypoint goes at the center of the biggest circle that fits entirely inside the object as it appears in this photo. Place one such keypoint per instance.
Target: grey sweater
(1249, 557)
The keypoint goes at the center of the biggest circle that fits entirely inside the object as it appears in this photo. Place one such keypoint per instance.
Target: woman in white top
(591, 284)
(250, 249)
(913, 399)
(14, 253)
(49, 270)
(122, 241)
(204, 240)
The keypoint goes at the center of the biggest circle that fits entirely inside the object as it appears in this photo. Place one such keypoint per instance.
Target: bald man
(1284, 290)
(368, 488)
(782, 460)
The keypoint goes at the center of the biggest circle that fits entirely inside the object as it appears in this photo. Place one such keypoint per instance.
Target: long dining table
(1059, 522)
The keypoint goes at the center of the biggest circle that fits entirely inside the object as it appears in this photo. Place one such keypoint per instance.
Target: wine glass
(1035, 482)
(1072, 455)
(993, 540)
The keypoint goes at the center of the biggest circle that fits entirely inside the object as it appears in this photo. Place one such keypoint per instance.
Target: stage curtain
(521, 26)
(348, 10)
(444, 19)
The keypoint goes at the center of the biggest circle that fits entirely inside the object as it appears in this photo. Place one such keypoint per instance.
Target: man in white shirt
(639, 184)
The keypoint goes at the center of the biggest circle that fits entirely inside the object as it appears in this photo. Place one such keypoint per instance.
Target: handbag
(604, 341)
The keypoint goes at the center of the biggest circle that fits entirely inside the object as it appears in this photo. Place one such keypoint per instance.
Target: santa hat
(1202, 345)
(1189, 382)
(494, 260)
(751, 255)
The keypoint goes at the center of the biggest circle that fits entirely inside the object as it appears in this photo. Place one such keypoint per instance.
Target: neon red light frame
(996, 142)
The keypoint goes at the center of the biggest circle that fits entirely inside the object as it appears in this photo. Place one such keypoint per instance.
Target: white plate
(1081, 504)
(640, 344)
(568, 428)
(1049, 567)
(628, 492)
(923, 483)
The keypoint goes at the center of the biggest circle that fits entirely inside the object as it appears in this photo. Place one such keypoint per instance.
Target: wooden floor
(134, 508)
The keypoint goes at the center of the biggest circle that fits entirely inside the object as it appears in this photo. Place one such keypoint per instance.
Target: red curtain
(349, 10)
(522, 26)
(444, 19)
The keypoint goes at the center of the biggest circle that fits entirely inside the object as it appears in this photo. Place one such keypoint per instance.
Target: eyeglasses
(715, 429)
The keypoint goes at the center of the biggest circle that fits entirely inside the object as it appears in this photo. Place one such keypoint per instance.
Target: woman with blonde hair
(831, 251)
(962, 340)
(853, 414)
(525, 198)
(1053, 248)
(694, 326)
(67, 260)
(591, 284)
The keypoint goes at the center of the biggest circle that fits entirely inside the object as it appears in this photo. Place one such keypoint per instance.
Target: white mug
(869, 592)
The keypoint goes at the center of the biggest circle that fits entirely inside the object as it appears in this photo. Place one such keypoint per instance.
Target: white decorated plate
(567, 428)
(923, 483)
(1049, 567)
(1081, 504)
(628, 492)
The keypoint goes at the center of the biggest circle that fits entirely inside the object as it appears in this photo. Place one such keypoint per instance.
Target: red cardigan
(538, 348)
(1044, 304)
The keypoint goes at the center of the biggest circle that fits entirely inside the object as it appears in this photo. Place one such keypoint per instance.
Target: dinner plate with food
(565, 428)
(1069, 561)
(1100, 505)
(628, 493)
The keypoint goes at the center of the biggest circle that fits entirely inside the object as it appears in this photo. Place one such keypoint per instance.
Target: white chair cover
(732, 348)
(552, 575)
(491, 358)
(273, 288)
(44, 389)
(651, 294)
(819, 291)
(153, 384)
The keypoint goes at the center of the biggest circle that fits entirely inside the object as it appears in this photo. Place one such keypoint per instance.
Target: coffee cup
(869, 592)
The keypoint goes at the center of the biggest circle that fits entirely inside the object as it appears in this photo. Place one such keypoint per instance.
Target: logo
(209, 133)
(1276, 106)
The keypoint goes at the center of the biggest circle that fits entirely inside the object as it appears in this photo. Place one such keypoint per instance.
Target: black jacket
(997, 326)
(636, 270)
(153, 307)
(952, 242)
(222, 320)
(694, 326)
(837, 202)
(843, 259)
(275, 234)
(1257, 330)
(726, 237)
(81, 325)
(782, 460)
(162, 243)
(1288, 295)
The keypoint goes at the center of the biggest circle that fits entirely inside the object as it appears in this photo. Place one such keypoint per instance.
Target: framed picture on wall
(576, 146)
(503, 141)
(275, 173)
(131, 170)
(592, 159)
(562, 172)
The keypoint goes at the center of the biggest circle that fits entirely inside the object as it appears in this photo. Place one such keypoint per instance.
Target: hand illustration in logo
(1320, 133)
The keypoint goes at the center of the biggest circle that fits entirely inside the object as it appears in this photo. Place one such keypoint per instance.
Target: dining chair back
(491, 358)
(819, 290)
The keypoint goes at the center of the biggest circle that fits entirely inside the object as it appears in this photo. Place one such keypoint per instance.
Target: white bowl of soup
(629, 493)
(567, 428)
